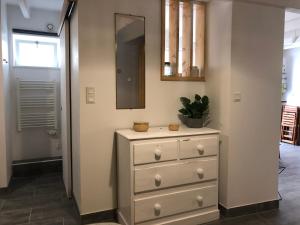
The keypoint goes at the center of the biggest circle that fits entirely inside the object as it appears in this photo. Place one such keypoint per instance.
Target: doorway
(290, 135)
(36, 100)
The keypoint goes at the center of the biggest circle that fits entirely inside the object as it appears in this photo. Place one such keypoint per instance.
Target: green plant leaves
(196, 109)
(185, 101)
(197, 97)
(184, 112)
(205, 100)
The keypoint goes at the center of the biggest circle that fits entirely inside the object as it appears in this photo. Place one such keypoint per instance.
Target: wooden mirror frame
(176, 77)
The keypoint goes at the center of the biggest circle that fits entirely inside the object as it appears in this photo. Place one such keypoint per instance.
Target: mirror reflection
(130, 61)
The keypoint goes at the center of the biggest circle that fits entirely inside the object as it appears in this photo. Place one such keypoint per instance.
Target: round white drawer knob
(157, 154)
(157, 209)
(200, 172)
(200, 149)
(199, 199)
(157, 180)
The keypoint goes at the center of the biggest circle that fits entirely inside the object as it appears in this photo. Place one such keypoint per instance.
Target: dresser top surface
(163, 132)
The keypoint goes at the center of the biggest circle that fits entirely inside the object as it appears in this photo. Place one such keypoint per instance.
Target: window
(183, 39)
(35, 51)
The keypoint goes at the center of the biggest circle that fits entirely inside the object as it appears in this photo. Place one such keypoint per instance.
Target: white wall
(292, 31)
(292, 26)
(237, 51)
(35, 142)
(65, 107)
(32, 143)
(75, 110)
(255, 121)
(99, 121)
(292, 67)
(5, 97)
(219, 79)
(250, 127)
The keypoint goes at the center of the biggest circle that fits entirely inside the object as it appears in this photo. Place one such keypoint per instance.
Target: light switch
(237, 97)
(90, 95)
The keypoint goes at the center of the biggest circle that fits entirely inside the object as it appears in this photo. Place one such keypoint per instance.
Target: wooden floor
(42, 200)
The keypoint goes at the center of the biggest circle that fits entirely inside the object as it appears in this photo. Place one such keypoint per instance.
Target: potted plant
(194, 114)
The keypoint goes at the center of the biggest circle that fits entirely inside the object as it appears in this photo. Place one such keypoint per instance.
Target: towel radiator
(36, 104)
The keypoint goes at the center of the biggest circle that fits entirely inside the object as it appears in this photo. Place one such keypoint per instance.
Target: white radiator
(36, 104)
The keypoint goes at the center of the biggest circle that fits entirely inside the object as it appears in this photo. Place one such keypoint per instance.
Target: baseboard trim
(99, 217)
(27, 168)
(4, 190)
(248, 209)
(121, 218)
(76, 207)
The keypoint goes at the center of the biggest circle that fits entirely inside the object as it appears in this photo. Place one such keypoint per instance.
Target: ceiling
(41, 4)
(289, 16)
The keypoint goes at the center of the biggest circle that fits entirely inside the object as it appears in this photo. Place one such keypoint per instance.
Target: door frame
(64, 27)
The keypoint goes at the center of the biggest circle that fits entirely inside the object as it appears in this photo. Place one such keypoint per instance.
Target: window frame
(177, 76)
(16, 50)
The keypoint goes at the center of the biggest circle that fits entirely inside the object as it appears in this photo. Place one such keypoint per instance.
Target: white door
(5, 159)
(5, 163)
(65, 108)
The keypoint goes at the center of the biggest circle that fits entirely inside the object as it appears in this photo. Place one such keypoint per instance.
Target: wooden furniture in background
(290, 124)
(168, 177)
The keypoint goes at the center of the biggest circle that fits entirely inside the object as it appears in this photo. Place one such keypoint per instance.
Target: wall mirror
(130, 61)
(183, 40)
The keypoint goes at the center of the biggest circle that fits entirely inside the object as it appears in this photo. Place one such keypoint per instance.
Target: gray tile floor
(42, 200)
(37, 201)
(289, 188)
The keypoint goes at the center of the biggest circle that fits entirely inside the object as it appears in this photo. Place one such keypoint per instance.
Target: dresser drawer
(198, 147)
(174, 203)
(158, 177)
(155, 151)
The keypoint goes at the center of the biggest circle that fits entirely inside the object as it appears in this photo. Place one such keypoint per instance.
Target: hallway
(42, 200)
(37, 201)
(289, 189)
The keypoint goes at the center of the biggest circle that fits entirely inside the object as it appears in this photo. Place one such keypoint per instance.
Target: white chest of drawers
(167, 177)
